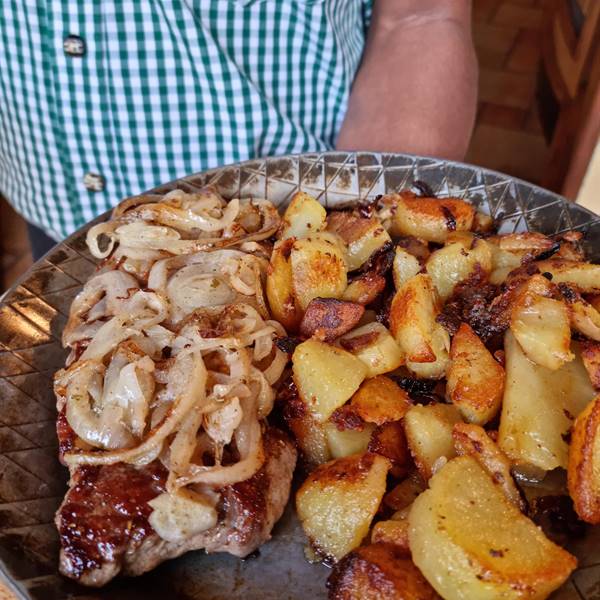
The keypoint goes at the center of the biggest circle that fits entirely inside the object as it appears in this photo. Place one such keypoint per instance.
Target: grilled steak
(103, 520)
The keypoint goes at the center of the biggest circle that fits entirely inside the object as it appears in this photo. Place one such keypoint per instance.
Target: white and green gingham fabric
(165, 88)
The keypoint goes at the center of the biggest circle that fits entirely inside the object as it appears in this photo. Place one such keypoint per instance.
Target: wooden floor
(507, 136)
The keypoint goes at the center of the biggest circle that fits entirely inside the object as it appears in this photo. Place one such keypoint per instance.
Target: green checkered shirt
(102, 99)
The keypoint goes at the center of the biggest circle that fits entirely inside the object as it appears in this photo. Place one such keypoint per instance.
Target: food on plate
(427, 369)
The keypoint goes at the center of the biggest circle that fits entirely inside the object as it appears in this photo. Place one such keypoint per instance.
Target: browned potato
(379, 400)
(583, 316)
(378, 572)
(472, 440)
(375, 346)
(590, 355)
(523, 243)
(344, 442)
(475, 379)
(431, 219)
(364, 288)
(405, 492)
(318, 268)
(328, 318)
(429, 434)
(392, 531)
(482, 223)
(280, 291)
(338, 501)
(539, 407)
(542, 328)
(413, 325)
(326, 376)
(584, 276)
(303, 216)
(584, 463)
(389, 440)
(469, 541)
(405, 266)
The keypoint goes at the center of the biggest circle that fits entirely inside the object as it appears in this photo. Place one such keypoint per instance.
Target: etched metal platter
(33, 313)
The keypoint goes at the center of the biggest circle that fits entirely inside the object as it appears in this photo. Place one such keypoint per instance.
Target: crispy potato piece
(380, 400)
(404, 494)
(584, 463)
(338, 501)
(538, 408)
(585, 276)
(475, 379)
(389, 440)
(392, 531)
(583, 316)
(472, 440)
(429, 434)
(303, 216)
(328, 318)
(364, 288)
(405, 266)
(413, 325)
(375, 346)
(523, 243)
(326, 376)
(431, 219)
(457, 261)
(541, 326)
(362, 236)
(482, 223)
(378, 572)
(348, 441)
(590, 355)
(280, 291)
(418, 248)
(469, 541)
(318, 268)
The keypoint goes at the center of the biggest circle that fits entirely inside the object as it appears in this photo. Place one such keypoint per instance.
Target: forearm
(416, 89)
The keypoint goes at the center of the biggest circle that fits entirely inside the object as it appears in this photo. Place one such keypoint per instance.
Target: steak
(103, 520)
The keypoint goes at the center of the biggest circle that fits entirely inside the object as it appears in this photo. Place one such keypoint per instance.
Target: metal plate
(32, 315)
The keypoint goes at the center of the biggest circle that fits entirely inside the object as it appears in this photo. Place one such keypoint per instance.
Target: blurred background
(539, 105)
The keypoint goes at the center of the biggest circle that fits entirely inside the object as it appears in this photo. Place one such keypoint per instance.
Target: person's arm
(416, 87)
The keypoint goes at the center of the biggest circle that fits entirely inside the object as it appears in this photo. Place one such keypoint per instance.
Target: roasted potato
(364, 288)
(326, 376)
(328, 318)
(279, 287)
(379, 400)
(404, 267)
(338, 501)
(362, 236)
(475, 380)
(393, 531)
(583, 316)
(318, 268)
(403, 495)
(389, 440)
(374, 345)
(303, 216)
(590, 355)
(461, 258)
(541, 326)
(431, 219)
(469, 541)
(378, 572)
(413, 325)
(539, 407)
(429, 434)
(348, 441)
(583, 275)
(584, 463)
(472, 440)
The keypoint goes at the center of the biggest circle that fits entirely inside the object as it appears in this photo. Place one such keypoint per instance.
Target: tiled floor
(507, 136)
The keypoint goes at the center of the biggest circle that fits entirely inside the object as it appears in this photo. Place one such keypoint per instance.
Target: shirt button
(94, 182)
(73, 45)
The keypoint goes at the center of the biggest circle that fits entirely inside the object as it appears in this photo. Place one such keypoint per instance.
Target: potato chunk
(431, 219)
(404, 267)
(413, 325)
(318, 268)
(380, 400)
(541, 326)
(378, 572)
(328, 318)
(375, 346)
(338, 501)
(348, 441)
(405, 492)
(469, 541)
(584, 463)
(326, 376)
(475, 379)
(279, 287)
(429, 434)
(364, 288)
(392, 531)
(457, 261)
(590, 355)
(585, 276)
(303, 216)
(539, 406)
(389, 440)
